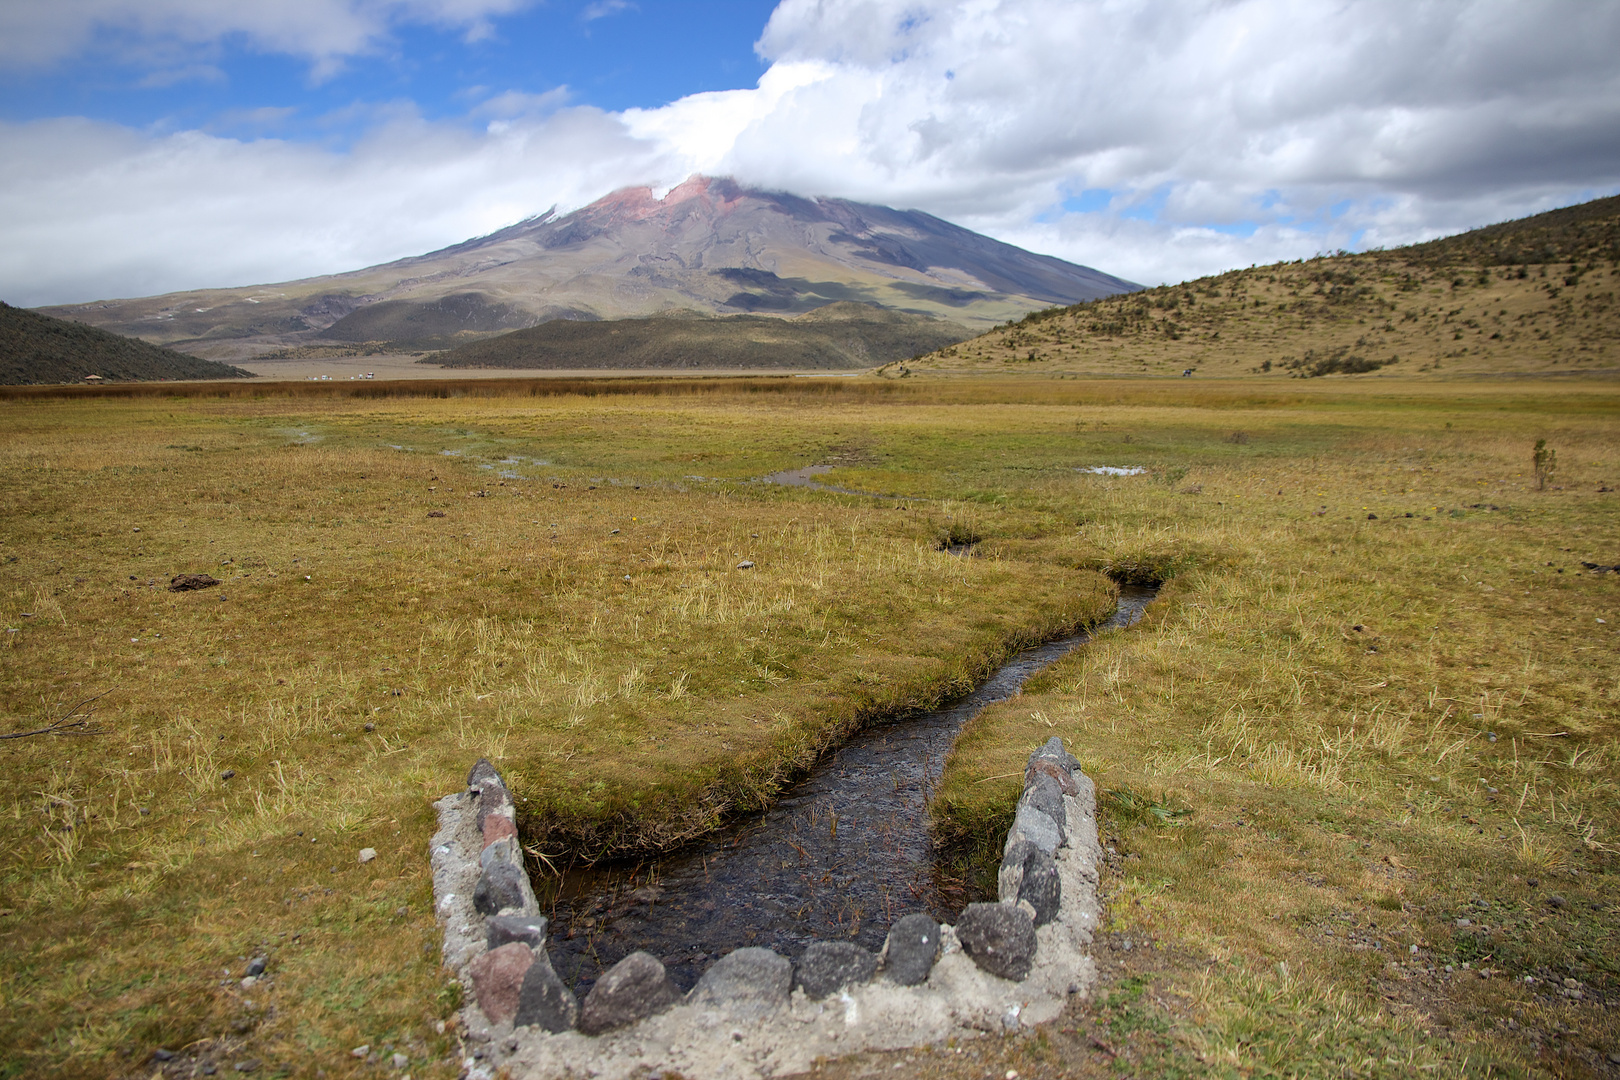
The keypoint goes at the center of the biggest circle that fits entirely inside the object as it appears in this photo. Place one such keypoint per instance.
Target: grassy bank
(578, 613)
(1358, 761)
(402, 588)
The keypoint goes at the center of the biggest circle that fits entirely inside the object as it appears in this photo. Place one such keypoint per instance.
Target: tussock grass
(631, 714)
(1342, 729)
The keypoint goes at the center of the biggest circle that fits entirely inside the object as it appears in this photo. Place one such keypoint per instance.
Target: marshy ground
(1374, 709)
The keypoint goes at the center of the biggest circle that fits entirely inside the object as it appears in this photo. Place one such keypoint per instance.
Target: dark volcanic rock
(999, 937)
(1010, 877)
(189, 582)
(912, 948)
(1041, 886)
(544, 1001)
(751, 983)
(829, 966)
(505, 929)
(499, 886)
(482, 770)
(492, 796)
(1046, 795)
(634, 988)
(1035, 826)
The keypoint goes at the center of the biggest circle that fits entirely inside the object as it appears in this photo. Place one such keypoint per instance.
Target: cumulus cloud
(39, 33)
(1152, 141)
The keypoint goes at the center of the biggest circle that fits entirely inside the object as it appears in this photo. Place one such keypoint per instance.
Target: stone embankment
(1002, 966)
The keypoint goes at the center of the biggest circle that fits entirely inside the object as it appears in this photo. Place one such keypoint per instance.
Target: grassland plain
(1296, 745)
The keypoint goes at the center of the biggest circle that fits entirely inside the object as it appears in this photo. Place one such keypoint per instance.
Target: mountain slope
(36, 349)
(837, 336)
(1534, 295)
(709, 245)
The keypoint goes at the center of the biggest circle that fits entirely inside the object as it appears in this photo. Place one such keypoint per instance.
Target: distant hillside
(1534, 295)
(709, 245)
(36, 349)
(835, 336)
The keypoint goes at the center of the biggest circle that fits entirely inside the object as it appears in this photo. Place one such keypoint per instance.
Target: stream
(841, 855)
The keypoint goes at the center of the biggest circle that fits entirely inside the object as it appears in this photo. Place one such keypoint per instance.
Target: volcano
(708, 246)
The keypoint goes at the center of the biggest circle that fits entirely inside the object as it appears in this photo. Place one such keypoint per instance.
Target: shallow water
(841, 855)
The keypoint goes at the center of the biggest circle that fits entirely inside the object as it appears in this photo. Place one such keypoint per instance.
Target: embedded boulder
(497, 980)
(633, 989)
(828, 966)
(911, 949)
(750, 983)
(1000, 939)
(543, 1001)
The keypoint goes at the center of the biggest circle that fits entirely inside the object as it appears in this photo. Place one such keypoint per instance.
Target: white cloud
(40, 32)
(1221, 133)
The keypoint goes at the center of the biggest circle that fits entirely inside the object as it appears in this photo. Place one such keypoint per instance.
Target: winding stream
(841, 855)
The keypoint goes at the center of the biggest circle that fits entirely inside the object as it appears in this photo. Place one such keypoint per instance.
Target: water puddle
(840, 856)
(806, 478)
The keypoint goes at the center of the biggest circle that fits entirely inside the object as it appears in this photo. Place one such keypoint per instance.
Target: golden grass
(1357, 728)
(633, 713)
(1375, 315)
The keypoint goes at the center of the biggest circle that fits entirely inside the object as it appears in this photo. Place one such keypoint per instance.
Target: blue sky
(612, 56)
(153, 145)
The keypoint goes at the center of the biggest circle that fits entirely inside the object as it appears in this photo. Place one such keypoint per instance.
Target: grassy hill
(1530, 296)
(37, 349)
(835, 336)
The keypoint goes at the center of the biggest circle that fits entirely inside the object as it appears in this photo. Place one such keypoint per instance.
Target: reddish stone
(498, 827)
(497, 980)
(1054, 769)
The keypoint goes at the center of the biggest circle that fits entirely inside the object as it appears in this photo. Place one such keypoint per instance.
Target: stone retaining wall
(753, 1013)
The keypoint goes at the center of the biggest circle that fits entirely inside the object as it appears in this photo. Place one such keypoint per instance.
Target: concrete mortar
(958, 1000)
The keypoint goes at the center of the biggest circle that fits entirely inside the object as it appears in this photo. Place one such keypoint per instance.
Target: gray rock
(1053, 749)
(911, 950)
(1010, 878)
(482, 770)
(634, 988)
(1046, 795)
(1034, 826)
(492, 796)
(1041, 887)
(1053, 768)
(828, 966)
(544, 1001)
(749, 983)
(499, 886)
(255, 967)
(1000, 938)
(529, 929)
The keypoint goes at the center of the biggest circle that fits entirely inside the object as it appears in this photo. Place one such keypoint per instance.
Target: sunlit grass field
(1336, 715)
